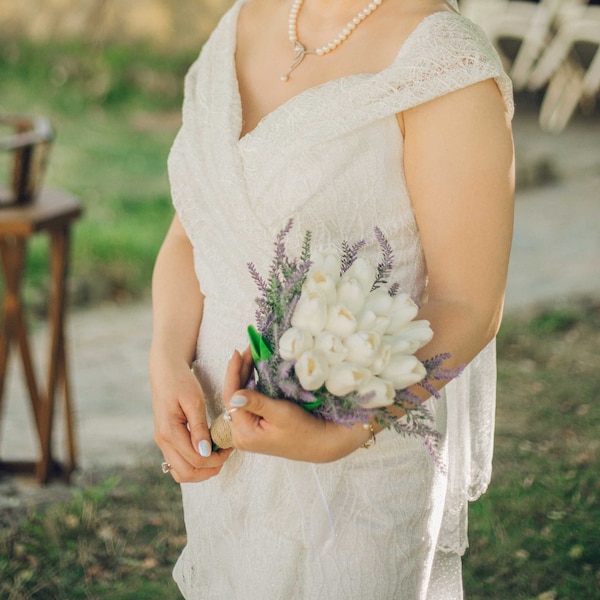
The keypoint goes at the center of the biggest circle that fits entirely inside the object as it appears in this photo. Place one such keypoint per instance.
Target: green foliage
(116, 112)
(71, 75)
(553, 321)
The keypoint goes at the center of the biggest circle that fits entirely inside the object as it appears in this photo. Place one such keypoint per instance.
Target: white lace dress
(381, 523)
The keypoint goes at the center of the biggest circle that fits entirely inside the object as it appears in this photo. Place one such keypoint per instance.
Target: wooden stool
(25, 211)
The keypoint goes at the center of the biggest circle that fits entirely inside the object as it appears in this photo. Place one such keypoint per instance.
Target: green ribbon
(258, 346)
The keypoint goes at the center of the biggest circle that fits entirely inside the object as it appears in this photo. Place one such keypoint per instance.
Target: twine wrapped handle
(220, 432)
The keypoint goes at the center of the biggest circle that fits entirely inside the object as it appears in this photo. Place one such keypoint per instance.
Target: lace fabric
(330, 159)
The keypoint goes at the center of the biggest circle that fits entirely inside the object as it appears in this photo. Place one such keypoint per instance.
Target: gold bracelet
(372, 439)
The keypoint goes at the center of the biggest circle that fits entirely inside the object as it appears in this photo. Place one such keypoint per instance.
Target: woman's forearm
(177, 300)
(180, 424)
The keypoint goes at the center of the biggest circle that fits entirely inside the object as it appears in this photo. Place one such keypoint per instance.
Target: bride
(343, 115)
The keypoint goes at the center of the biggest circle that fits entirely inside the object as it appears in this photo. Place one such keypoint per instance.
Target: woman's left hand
(279, 427)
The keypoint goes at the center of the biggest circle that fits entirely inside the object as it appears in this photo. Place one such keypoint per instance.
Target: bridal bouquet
(335, 337)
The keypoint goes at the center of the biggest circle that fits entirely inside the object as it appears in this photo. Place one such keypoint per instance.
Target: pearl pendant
(301, 51)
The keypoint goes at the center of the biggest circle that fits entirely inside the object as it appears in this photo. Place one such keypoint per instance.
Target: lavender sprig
(350, 254)
(385, 267)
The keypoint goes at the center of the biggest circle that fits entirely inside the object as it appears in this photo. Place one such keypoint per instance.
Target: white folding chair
(530, 23)
(569, 81)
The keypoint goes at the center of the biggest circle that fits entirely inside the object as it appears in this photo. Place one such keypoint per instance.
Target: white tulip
(375, 315)
(340, 321)
(312, 370)
(400, 345)
(403, 371)
(381, 391)
(345, 378)
(363, 347)
(371, 321)
(363, 272)
(350, 293)
(321, 282)
(330, 347)
(310, 312)
(382, 358)
(328, 261)
(294, 342)
(419, 333)
(379, 301)
(403, 310)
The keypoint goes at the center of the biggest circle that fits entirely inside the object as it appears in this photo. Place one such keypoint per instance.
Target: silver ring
(165, 466)
(228, 412)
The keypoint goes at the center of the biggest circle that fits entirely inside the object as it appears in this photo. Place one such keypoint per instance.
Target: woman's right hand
(180, 426)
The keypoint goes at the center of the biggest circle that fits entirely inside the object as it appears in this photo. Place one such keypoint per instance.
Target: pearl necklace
(346, 32)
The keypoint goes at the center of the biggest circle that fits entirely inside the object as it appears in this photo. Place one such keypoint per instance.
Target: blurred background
(108, 74)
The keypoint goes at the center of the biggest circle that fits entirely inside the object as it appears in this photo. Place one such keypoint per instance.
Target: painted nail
(204, 448)
(238, 401)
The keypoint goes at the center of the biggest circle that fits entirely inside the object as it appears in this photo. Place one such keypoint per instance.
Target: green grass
(116, 112)
(117, 538)
(534, 535)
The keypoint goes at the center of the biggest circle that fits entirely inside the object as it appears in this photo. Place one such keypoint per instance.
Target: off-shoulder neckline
(332, 82)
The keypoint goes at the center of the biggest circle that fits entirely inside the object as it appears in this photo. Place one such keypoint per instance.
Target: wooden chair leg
(13, 253)
(57, 369)
(71, 443)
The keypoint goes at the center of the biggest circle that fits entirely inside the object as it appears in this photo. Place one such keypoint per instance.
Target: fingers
(247, 367)
(199, 435)
(254, 402)
(183, 472)
(185, 432)
(233, 380)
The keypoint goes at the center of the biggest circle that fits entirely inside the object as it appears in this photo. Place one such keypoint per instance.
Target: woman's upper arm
(177, 230)
(459, 168)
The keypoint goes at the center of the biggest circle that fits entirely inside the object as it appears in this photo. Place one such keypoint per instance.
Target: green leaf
(259, 346)
(310, 406)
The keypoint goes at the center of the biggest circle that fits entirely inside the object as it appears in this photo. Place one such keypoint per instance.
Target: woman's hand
(281, 428)
(180, 427)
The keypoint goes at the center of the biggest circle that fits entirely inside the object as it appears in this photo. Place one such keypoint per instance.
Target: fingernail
(238, 401)
(204, 448)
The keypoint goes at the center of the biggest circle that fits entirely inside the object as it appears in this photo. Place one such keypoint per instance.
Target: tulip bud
(380, 392)
(350, 293)
(345, 378)
(363, 272)
(403, 311)
(328, 261)
(310, 312)
(418, 333)
(340, 321)
(362, 347)
(403, 371)
(330, 347)
(294, 342)
(370, 321)
(382, 358)
(321, 282)
(379, 301)
(312, 370)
